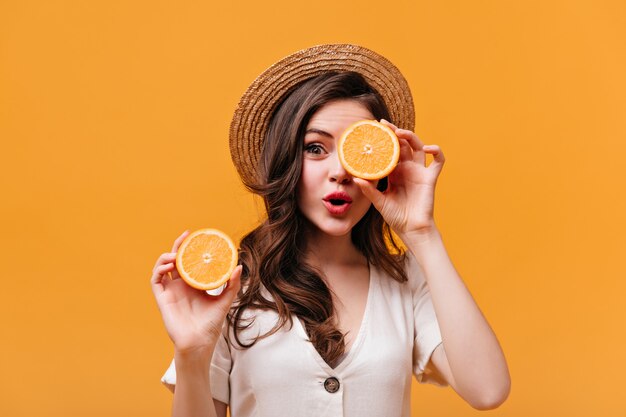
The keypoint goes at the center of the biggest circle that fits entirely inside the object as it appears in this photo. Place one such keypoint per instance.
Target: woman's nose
(337, 172)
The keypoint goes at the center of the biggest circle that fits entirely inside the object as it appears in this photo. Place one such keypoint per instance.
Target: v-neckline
(356, 344)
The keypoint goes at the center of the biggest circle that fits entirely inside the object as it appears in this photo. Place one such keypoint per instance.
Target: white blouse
(283, 374)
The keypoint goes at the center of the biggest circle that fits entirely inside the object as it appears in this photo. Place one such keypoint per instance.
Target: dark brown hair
(272, 255)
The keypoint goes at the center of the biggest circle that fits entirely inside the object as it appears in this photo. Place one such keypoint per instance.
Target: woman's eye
(314, 149)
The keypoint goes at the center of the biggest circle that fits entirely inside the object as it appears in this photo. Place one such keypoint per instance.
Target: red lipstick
(337, 202)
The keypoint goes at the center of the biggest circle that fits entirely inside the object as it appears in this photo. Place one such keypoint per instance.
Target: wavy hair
(272, 254)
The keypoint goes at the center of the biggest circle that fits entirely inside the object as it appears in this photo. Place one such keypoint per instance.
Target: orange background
(114, 118)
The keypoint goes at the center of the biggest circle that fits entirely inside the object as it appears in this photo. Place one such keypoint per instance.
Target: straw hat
(256, 106)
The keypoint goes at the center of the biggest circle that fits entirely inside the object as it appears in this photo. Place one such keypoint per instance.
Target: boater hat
(256, 106)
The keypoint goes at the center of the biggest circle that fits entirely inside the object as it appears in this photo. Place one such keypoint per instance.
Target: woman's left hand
(408, 203)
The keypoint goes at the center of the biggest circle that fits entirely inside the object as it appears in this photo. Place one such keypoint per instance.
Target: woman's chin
(336, 232)
(329, 231)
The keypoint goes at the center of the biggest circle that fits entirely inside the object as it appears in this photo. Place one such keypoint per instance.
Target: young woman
(332, 316)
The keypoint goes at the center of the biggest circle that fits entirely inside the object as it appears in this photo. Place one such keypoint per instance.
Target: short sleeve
(219, 372)
(426, 327)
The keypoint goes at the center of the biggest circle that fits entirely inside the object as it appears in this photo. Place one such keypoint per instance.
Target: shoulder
(414, 273)
(253, 322)
(407, 290)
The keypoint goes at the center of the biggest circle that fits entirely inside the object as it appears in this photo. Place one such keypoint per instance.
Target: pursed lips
(337, 202)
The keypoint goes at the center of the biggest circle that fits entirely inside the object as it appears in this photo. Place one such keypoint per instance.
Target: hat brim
(256, 106)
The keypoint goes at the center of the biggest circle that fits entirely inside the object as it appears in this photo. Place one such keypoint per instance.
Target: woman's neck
(324, 250)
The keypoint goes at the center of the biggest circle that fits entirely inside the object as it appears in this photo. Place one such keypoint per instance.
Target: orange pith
(368, 149)
(206, 259)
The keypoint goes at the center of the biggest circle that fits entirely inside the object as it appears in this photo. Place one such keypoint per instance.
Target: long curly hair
(272, 254)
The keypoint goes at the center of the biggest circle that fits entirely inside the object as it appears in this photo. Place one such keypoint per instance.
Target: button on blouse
(331, 385)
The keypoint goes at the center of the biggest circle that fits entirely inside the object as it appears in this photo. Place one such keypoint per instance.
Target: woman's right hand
(193, 318)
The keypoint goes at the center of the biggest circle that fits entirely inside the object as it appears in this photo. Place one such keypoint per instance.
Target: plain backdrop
(114, 120)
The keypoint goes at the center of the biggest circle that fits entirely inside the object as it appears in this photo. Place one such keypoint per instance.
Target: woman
(329, 320)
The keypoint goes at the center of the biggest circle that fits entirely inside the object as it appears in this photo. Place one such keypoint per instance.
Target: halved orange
(369, 149)
(206, 259)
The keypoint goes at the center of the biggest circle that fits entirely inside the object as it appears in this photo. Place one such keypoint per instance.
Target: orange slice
(369, 149)
(206, 258)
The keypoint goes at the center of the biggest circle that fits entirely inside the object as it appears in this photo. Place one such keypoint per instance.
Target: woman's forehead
(340, 111)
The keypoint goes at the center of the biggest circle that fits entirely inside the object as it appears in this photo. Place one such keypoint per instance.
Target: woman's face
(326, 194)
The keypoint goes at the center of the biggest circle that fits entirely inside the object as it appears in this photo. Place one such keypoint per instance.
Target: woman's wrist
(193, 396)
(191, 357)
(421, 235)
(423, 243)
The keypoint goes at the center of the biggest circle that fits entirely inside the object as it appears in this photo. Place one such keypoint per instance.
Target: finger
(157, 288)
(165, 258)
(160, 272)
(411, 137)
(437, 153)
(406, 152)
(168, 257)
(388, 123)
(229, 293)
(234, 283)
(158, 277)
(179, 240)
(174, 274)
(414, 142)
(369, 190)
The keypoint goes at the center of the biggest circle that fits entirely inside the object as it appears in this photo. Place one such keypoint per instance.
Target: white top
(283, 374)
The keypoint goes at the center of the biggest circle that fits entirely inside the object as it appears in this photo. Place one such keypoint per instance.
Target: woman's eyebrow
(319, 132)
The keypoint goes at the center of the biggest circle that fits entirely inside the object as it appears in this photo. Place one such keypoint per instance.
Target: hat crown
(256, 106)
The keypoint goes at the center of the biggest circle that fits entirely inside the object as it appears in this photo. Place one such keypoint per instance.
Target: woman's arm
(470, 359)
(194, 321)
(192, 385)
(220, 408)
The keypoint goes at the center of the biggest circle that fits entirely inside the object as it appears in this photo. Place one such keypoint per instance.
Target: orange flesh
(207, 258)
(369, 149)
